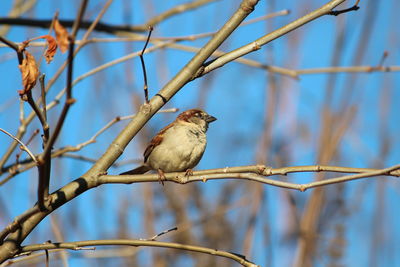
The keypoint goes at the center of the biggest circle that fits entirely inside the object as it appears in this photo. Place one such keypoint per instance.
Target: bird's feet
(189, 172)
(161, 177)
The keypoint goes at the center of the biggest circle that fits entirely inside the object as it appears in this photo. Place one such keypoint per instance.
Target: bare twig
(104, 27)
(137, 243)
(138, 37)
(383, 58)
(22, 129)
(160, 234)
(43, 95)
(19, 8)
(38, 112)
(145, 87)
(338, 12)
(13, 46)
(26, 164)
(24, 147)
(17, 162)
(256, 45)
(45, 159)
(89, 179)
(198, 176)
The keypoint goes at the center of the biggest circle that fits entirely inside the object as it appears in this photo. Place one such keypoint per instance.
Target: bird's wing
(155, 141)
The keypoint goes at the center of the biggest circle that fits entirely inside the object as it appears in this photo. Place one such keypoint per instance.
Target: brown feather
(157, 139)
(188, 114)
(184, 116)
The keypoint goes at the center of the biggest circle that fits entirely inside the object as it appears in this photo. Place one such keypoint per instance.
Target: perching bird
(179, 146)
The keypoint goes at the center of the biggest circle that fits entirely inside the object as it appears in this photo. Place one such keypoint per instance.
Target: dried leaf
(61, 36)
(29, 72)
(51, 48)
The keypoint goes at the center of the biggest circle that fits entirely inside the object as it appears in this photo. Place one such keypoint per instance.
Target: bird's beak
(210, 118)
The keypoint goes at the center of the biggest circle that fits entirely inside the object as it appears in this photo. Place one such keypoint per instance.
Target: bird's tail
(139, 170)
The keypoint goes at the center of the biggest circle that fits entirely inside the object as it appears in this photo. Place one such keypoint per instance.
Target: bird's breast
(181, 149)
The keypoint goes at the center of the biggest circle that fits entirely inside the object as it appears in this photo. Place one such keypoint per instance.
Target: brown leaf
(61, 36)
(29, 71)
(51, 48)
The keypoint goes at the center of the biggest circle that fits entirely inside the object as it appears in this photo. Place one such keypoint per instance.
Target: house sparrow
(179, 146)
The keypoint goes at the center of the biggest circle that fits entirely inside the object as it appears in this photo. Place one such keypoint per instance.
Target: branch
(137, 243)
(90, 179)
(22, 129)
(26, 164)
(45, 158)
(15, 47)
(338, 12)
(24, 147)
(255, 173)
(256, 45)
(145, 87)
(108, 28)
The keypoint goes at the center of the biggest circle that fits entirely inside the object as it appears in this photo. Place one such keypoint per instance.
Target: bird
(177, 147)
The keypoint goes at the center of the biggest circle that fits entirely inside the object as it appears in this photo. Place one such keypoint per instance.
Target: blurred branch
(139, 37)
(19, 7)
(104, 27)
(137, 243)
(294, 73)
(350, 69)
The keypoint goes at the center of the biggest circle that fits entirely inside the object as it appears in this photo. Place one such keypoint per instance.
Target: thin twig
(138, 37)
(181, 178)
(43, 94)
(26, 164)
(15, 47)
(257, 44)
(37, 111)
(22, 129)
(108, 28)
(17, 162)
(338, 12)
(137, 243)
(160, 234)
(383, 58)
(45, 159)
(145, 87)
(24, 147)
(78, 19)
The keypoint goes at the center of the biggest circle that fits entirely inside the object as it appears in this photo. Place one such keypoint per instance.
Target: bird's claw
(161, 177)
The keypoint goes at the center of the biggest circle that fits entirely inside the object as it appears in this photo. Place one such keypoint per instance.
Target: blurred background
(322, 116)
